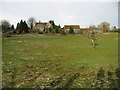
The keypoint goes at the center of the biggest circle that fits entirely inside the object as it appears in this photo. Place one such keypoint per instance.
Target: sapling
(93, 38)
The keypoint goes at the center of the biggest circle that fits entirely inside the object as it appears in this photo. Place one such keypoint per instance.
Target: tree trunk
(93, 43)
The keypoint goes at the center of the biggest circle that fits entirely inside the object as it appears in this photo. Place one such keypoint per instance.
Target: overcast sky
(63, 13)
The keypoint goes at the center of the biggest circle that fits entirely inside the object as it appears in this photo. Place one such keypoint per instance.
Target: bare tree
(104, 26)
(5, 25)
(31, 22)
(93, 38)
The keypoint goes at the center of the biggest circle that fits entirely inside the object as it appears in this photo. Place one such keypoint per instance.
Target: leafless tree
(104, 26)
(5, 25)
(31, 22)
(93, 38)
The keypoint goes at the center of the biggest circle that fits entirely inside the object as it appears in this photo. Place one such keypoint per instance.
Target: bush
(71, 31)
(118, 76)
(115, 30)
(14, 31)
(81, 32)
(111, 81)
(40, 32)
(100, 79)
(35, 31)
(62, 32)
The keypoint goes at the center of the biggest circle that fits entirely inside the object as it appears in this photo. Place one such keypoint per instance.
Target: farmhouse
(76, 28)
(85, 30)
(43, 27)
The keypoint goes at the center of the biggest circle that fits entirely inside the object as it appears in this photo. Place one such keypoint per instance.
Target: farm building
(76, 28)
(42, 27)
(85, 30)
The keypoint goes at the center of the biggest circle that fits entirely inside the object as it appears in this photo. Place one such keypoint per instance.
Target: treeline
(54, 29)
(6, 26)
(22, 26)
(26, 27)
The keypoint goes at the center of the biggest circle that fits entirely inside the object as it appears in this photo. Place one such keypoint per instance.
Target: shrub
(71, 31)
(100, 79)
(62, 32)
(118, 76)
(111, 81)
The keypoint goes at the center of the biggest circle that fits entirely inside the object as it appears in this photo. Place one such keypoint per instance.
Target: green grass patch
(43, 58)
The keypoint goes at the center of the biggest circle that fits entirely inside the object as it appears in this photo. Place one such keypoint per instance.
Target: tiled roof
(72, 26)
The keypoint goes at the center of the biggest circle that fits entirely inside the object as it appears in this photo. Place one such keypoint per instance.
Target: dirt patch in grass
(59, 55)
(106, 33)
(14, 41)
(39, 54)
(27, 58)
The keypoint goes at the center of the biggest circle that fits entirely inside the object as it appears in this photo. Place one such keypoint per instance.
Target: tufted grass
(51, 56)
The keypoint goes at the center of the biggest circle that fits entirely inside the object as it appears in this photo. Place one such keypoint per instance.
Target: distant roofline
(73, 26)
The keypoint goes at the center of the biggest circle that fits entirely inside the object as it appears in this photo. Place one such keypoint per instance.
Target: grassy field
(57, 61)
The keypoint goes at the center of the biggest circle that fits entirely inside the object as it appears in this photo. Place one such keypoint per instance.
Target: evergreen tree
(12, 27)
(114, 27)
(25, 27)
(50, 29)
(21, 26)
(71, 30)
(56, 29)
(59, 26)
(17, 26)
